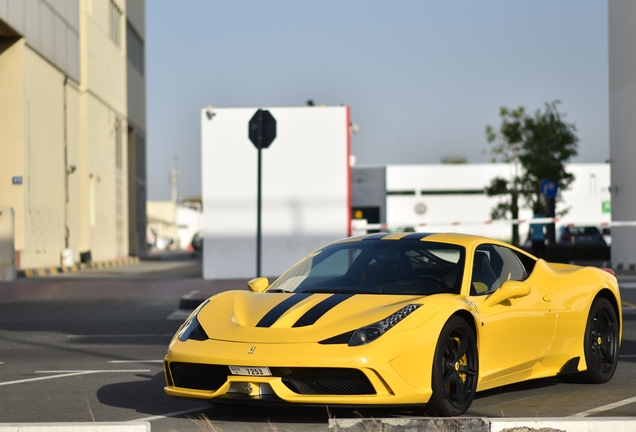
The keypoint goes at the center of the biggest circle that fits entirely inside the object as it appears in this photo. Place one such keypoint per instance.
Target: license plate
(250, 371)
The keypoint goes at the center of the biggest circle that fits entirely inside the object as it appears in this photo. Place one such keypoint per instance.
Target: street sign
(262, 129)
(606, 206)
(549, 189)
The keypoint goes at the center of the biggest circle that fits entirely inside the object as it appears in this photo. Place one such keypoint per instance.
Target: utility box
(7, 245)
(306, 196)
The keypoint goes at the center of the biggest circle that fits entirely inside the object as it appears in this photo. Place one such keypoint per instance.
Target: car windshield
(378, 267)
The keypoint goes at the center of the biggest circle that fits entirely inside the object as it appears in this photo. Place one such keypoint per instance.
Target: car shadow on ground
(519, 387)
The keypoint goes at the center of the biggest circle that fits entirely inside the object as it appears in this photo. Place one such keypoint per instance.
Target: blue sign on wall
(17, 180)
(549, 189)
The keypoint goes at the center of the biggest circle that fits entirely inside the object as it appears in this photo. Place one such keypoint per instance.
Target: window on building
(115, 23)
(135, 48)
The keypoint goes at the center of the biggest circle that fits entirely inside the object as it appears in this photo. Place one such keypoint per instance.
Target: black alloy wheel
(601, 342)
(455, 369)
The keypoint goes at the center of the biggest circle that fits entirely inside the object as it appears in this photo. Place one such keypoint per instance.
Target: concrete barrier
(410, 424)
(477, 424)
(76, 427)
(564, 424)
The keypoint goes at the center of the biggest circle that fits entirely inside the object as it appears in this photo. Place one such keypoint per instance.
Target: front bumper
(302, 373)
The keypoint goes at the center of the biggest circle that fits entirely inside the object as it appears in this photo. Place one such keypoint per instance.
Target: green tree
(542, 144)
(507, 141)
(454, 160)
(549, 144)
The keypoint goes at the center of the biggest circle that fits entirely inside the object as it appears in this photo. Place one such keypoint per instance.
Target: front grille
(304, 381)
(328, 381)
(199, 376)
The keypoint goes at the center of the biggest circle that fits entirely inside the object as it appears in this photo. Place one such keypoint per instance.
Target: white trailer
(306, 192)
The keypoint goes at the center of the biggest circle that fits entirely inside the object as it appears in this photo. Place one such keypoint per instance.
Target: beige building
(73, 128)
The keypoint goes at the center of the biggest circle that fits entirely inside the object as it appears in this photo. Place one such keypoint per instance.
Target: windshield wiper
(278, 290)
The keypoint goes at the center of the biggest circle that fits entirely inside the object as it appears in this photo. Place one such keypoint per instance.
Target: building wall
(136, 106)
(64, 128)
(103, 112)
(622, 112)
(107, 187)
(50, 27)
(450, 198)
(32, 136)
(44, 162)
(12, 133)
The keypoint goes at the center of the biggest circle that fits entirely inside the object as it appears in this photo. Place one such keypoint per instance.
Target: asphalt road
(88, 347)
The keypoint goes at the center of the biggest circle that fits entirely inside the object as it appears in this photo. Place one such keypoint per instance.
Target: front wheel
(455, 368)
(601, 342)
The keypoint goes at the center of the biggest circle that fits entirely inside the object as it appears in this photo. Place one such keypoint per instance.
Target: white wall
(306, 196)
(584, 198)
(622, 112)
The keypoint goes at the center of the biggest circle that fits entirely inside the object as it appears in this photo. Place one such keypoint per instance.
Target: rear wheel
(455, 367)
(601, 342)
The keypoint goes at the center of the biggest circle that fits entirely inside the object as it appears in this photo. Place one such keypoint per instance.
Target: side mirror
(507, 291)
(258, 285)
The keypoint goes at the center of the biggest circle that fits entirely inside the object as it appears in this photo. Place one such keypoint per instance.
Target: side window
(527, 262)
(492, 266)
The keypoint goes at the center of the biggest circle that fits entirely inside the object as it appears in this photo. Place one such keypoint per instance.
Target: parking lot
(88, 347)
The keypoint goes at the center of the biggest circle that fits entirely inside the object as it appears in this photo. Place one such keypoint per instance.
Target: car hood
(243, 316)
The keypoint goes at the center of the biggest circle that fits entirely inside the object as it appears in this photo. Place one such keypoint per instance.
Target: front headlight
(369, 333)
(191, 329)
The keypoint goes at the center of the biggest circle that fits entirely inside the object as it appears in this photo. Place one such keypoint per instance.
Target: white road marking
(120, 335)
(605, 407)
(190, 294)
(41, 378)
(172, 414)
(97, 371)
(135, 361)
(627, 285)
(67, 374)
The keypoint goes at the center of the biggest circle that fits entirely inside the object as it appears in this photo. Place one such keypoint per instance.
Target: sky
(423, 78)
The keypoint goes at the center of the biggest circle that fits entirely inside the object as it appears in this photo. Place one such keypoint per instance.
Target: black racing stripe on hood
(272, 316)
(314, 314)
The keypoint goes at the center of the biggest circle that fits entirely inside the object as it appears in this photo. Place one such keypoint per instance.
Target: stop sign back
(262, 129)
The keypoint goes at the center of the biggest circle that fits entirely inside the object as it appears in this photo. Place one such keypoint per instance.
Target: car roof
(466, 240)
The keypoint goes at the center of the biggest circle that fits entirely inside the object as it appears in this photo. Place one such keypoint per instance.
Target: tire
(601, 343)
(455, 370)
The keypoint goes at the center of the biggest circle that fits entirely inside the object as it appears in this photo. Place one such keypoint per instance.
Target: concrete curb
(48, 271)
(76, 427)
(410, 424)
(564, 424)
(478, 424)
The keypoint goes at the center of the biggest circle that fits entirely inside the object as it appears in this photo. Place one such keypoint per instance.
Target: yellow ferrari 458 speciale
(399, 319)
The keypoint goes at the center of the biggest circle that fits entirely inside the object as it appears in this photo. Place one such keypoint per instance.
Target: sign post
(261, 131)
(549, 190)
